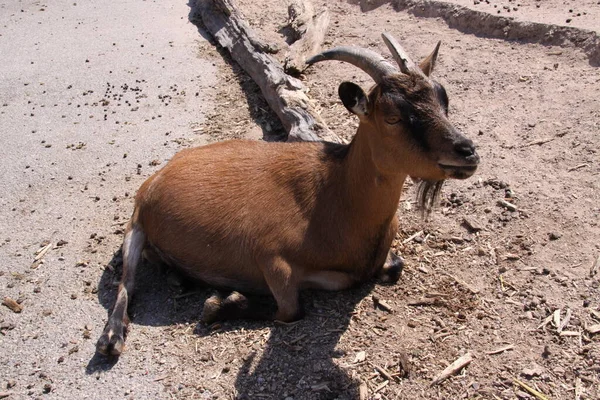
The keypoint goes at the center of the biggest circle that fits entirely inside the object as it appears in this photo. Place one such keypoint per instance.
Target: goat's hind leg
(112, 340)
(237, 306)
(283, 286)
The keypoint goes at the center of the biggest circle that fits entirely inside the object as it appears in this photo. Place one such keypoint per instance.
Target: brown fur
(279, 217)
(268, 201)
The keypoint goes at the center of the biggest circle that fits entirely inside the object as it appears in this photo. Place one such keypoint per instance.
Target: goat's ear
(429, 62)
(354, 99)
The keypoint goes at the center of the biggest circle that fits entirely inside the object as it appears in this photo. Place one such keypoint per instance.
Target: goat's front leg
(285, 287)
(392, 268)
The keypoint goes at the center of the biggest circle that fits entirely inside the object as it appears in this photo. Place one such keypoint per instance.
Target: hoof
(392, 269)
(112, 340)
(211, 309)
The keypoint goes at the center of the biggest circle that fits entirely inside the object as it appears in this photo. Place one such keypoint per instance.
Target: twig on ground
(575, 168)
(378, 388)
(546, 321)
(383, 372)
(500, 350)
(427, 302)
(593, 329)
(531, 390)
(363, 391)
(594, 269)
(453, 369)
(42, 252)
(578, 389)
(556, 318)
(382, 304)
(565, 321)
(411, 237)
(507, 205)
(538, 142)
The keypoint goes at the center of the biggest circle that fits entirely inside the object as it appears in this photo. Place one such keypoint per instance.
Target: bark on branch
(308, 31)
(286, 95)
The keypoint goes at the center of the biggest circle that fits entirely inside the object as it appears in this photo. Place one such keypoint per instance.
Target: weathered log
(286, 95)
(308, 32)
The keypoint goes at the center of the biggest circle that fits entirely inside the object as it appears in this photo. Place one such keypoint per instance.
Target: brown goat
(280, 217)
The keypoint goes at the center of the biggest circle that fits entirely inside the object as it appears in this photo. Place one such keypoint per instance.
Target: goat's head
(405, 115)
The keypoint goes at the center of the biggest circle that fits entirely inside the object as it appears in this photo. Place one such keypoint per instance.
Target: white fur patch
(133, 246)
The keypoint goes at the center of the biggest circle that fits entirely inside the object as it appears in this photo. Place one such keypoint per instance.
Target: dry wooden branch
(594, 269)
(453, 368)
(570, 333)
(286, 95)
(42, 252)
(575, 168)
(593, 329)
(578, 388)
(383, 372)
(507, 205)
(546, 321)
(531, 390)
(538, 142)
(565, 321)
(381, 386)
(500, 350)
(427, 302)
(411, 237)
(309, 31)
(363, 391)
(382, 304)
(556, 318)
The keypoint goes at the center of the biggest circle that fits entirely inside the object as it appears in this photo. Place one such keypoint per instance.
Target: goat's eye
(392, 120)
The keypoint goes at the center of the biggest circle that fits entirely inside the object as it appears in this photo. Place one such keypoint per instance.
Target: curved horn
(404, 62)
(367, 60)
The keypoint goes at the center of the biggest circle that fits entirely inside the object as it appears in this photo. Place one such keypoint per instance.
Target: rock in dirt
(554, 235)
(13, 305)
(533, 371)
(471, 224)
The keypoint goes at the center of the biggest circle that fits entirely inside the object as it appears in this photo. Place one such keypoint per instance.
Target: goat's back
(214, 211)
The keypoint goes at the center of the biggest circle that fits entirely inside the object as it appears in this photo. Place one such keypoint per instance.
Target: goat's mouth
(458, 171)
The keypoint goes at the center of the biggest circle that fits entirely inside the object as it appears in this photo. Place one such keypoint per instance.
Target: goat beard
(428, 194)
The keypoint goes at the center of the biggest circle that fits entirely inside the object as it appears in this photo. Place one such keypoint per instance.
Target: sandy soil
(533, 111)
(579, 14)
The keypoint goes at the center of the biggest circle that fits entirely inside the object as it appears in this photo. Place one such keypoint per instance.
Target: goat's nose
(465, 148)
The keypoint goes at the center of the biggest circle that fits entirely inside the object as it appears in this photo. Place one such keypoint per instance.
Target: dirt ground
(519, 293)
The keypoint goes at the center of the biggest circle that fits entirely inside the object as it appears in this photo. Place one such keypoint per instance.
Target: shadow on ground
(297, 360)
(158, 300)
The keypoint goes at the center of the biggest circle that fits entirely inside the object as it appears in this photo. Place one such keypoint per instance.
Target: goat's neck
(373, 195)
